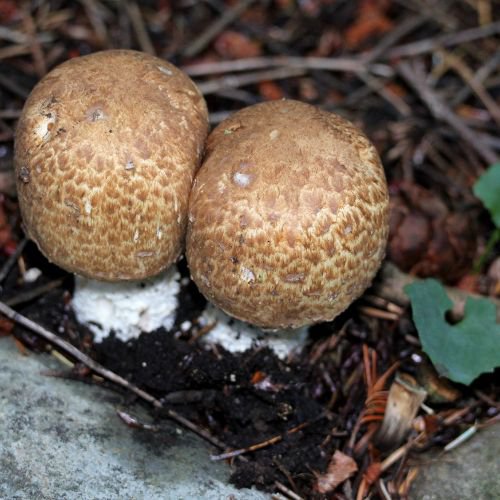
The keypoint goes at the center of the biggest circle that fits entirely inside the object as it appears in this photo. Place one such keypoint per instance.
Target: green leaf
(463, 351)
(487, 189)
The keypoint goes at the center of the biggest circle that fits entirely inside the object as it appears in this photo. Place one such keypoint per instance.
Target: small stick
(204, 330)
(285, 472)
(34, 292)
(405, 485)
(134, 422)
(38, 56)
(62, 359)
(258, 446)
(235, 81)
(216, 27)
(94, 11)
(469, 77)
(398, 454)
(374, 312)
(20, 38)
(21, 347)
(287, 491)
(415, 78)
(329, 344)
(341, 64)
(10, 114)
(487, 399)
(12, 259)
(430, 44)
(198, 430)
(479, 77)
(241, 451)
(379, 87)
(104, 372)
(401, 30)
(465, 436)
(383, 490)
(73, 351)
(13, 87)
(484, 11)
(14, 51)
(382, 303)
(491, 421)
(458, 414)
(135, 16)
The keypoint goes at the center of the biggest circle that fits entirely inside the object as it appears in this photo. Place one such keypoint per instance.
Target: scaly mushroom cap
(288, 216)
(106, 150)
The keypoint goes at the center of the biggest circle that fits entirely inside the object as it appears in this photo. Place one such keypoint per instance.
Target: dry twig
(420, 47)
(73, 351)
(415, 77)
(141, 32)
(104, 372)
(215, 28)
(257, 446)
(235, 81)
(340, 64)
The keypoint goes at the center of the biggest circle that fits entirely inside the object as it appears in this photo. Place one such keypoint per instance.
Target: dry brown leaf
(428, 239)
(371, 21)
(340, 468)
(270, 91)
(9, 11)
(234, 45)
(6, 326)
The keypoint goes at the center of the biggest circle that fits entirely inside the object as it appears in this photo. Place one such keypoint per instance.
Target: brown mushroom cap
(106, 150)
(288, 216)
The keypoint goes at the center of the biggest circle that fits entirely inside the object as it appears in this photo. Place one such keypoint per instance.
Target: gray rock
(470, 471)
(62, 439)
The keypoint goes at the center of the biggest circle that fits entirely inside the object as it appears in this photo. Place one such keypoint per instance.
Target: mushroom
(288, 215)
(106, 150)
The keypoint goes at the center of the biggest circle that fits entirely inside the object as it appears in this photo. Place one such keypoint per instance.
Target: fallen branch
(340, 64)
(77, 354)
(105, 373)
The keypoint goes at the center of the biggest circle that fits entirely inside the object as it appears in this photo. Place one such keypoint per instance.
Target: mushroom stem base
(127, 308)
(237, 336)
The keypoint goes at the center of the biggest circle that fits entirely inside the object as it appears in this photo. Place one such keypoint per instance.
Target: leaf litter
(424, 88)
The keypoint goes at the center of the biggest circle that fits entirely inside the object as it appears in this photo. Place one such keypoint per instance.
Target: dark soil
(243, 399)
(217, 391)
(301, 410)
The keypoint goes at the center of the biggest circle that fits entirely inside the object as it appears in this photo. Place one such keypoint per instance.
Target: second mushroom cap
(288, 216)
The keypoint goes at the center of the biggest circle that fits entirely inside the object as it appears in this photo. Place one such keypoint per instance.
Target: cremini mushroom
(288, 215)
(106, 150)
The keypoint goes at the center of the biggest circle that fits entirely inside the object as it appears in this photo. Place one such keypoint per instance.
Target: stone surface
(471, 471)
(62, 439)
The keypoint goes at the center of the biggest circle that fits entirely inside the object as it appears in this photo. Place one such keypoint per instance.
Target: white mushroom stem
(127, 308)
(238, 336)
